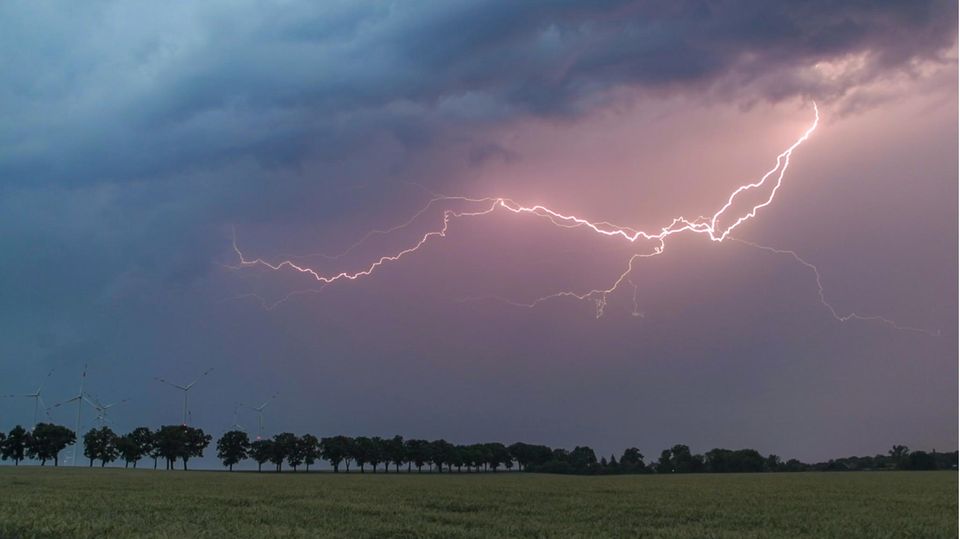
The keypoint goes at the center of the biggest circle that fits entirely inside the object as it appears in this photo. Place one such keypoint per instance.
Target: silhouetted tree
(497, 454)
(921, 460)
(169, 442)
(440, 453)
(295, 453)
(899, 454)
(195, 441)
(530, 455)
(261, 451)
(396, 452)
(47, 440)
(233, 447)
(632, 460)
(14, 447)
(284, 445)
(144, 440)
(458, 457)
(582, 458)
(335, 450)
(377, 452)
(678, 459)
(180, 441)
(100, 444)
(739, 461)
(128, 450)
(418, 452)
(360, 451)
(309, 449)
(473, 456)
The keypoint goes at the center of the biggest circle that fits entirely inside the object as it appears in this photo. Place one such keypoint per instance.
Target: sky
(139, 142)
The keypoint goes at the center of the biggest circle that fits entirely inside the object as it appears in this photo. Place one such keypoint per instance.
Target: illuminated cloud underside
(711, 227)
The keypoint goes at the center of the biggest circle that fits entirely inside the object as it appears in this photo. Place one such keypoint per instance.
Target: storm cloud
(136, 137)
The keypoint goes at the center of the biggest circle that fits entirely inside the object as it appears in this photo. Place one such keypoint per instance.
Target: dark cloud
(133, 136)
(121, 95)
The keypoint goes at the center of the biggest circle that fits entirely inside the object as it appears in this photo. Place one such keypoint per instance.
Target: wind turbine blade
(49, 374)
(181, 388)
(204, 373)
(266, 402)
(68, 401)
(95, 401)
(46, 410)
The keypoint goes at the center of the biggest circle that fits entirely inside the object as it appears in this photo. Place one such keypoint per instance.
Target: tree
(899, 454)
(233, 447)
(195, 441)
(528, 455)
(155, 449)
(359, 451)
(335, 450)
(128, 449)
(632, 460)
(497, 454)
(921, 460)
(678, 459)
(418, 452)
(295, 453)
(100, 444)
(284, 445)
(440, 453)
(47, 440)
(376, 452)
(396, 452)
(458, 457)
(15, 445)
(310, 449)
(582, 458)
(169, 442)
(180, 441)
(143, 438)
(261, 451)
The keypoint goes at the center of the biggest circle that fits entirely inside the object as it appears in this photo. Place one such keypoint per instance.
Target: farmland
(54, 502)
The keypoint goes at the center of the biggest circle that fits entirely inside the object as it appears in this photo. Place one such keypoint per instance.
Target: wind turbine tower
(186, 390)
(80, 398)
(102, 409)
(259, 410)
(37, 399)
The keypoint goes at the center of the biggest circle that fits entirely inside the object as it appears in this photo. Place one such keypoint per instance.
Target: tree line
(172, 443)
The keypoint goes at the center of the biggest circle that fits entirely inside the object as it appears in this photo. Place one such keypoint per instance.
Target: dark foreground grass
(62, 502)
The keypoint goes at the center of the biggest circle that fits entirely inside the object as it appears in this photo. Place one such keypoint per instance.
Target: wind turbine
(103, 408)
(236, 425)
(259, 410)
(186, 390)
(37, 399)
(80, 398)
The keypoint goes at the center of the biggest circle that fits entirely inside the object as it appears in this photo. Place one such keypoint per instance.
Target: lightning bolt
(717, 228)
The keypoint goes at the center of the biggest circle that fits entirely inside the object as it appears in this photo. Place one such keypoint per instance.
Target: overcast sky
(136, 138)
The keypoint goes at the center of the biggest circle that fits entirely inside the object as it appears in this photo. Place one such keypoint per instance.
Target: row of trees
(362, 452)
(171, 443)
(43, 443)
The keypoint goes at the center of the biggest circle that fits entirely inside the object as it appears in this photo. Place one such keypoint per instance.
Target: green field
(37, 502)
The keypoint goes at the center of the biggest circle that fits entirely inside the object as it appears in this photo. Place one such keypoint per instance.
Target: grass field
(37, 502)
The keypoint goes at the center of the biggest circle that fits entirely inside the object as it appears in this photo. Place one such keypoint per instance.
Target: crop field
(48, 502)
